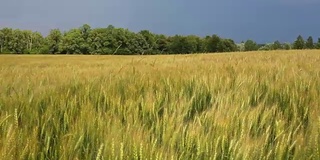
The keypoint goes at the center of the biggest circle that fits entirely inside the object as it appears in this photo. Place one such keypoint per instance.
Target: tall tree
(183, 44)
(299, 43)
(151, 40)
(100, 41)
(120, 40)
(162, 44)
(54, 39)
(276, 45)
(112, 40)
(318, 44)
(309, 43)
(37, 42)
(213, 42)
(1, 41)
(250, 45)
(85, 32)
(286, 46)
(176, 44)
(29, 39)
(201, 45)
(71, 42)
(138, 44)
(206, 41)
(227, 45)
(6, 38)
(191, 43)
(240, 46)
(19, 42)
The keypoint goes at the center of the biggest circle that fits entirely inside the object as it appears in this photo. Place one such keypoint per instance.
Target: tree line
(112, 40)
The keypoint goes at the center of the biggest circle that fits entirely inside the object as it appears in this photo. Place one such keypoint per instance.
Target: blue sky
(260, 20)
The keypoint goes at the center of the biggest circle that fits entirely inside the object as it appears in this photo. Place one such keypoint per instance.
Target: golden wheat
(256, 105)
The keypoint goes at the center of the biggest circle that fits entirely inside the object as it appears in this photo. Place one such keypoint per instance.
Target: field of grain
(255, 105)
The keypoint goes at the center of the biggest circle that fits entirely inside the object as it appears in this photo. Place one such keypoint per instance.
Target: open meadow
(253, 105)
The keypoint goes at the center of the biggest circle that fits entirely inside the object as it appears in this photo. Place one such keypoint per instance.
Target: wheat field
(254, 105)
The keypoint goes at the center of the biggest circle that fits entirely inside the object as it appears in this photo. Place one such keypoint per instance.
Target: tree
(110, 27)
(119, 40)
(227, 45)
(34, 41)
(276, 45)
(183, 44)
(84, 45)
(138, 44)
(5, 39)
(151, 40)
(299, 43)
(99, 41)
(240, 46)
(19, 42)
(309, 43)
(162, 44)
(286, 46)
(250, 45)
(54, 39)
(213, 42)
(112, 40)
(71, 42)
(37, 42)
(1, 41)
(266, 47)
(201, 45)
(176, 44)
(318, 44)
(191, 43)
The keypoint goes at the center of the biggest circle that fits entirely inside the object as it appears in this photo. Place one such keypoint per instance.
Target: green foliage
(276, 45)
(266, 47)
(36, 42)
(193, 44)
(150, 44)
(72, 42)
(2, 37)
(241, 47)
(99, 41)
(162, 44)
(19, 43)
(250, 45)
(309, 43)
(286, 46)
(120, 41)
(317, 46)
(227, 45)
(137, 44)
(6, 37)
(273, 46)
(85, 32)
(53, 39)
(299, 43)
(112, 40)
(213, 43)
(181, 44)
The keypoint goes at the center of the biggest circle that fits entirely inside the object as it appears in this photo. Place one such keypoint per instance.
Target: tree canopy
(112, 40)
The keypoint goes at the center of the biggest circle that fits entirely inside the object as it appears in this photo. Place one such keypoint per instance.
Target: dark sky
(260, 20)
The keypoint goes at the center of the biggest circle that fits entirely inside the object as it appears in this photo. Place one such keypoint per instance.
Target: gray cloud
(265, 20)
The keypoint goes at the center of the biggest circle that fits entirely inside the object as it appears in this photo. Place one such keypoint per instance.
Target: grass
(256, 105)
